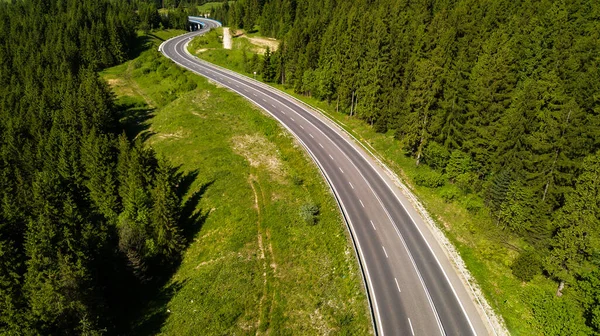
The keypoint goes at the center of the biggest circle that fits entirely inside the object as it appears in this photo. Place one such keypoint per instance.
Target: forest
(90, 218)
(499, 98)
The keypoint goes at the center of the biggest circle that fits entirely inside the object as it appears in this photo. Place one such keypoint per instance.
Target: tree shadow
(141, 44)
(153, 297)
(156, 311)
(156, 37)
(194, 220)
(134, 118)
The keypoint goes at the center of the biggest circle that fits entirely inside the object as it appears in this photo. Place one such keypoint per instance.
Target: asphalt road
(412, 287)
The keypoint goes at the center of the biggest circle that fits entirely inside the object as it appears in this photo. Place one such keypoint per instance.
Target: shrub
(527, 265)
(473, 203)
(309, 213)
(436, 156)
(429, 178)
(449, 193)
(297, 180)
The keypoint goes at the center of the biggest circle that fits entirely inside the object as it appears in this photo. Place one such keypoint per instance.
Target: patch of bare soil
(259, 152)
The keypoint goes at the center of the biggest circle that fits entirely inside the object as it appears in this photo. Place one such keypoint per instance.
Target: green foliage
(76, 219)
(436, 156)
(309, 212)
(558, 316)
(429, 178)
(527, 265)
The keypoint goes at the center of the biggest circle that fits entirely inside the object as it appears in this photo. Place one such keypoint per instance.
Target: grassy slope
(487, 249)
(254, 266)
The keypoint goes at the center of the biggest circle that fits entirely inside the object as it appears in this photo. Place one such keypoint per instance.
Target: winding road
(412, 287)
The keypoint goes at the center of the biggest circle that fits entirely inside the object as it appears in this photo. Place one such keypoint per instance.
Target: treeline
(501, 99)
(88, 218)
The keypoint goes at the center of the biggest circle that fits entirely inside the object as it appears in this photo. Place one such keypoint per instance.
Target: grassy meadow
(256, 265)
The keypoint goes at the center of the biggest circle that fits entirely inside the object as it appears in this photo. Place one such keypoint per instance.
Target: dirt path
(226, 38)
(261, 255)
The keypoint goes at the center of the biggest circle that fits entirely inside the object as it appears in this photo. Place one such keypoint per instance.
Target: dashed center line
(398, 286)
(341, 170)
(351, 185)
(311, 135)
(264, 100)
(373, 225)
(301, 126)
(411, 328)
(254, 94)
(292, 119)
(361, 203)
(273, 106)
(331, 156)
(321, 145)
(384, 251)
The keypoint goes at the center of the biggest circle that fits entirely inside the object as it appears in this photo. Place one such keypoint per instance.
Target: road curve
(412, 287)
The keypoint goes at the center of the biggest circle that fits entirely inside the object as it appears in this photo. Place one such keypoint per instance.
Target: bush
(473, 203)
(297, 180)
(309, 213)
(429, 178)
(436, 156)
(449, 193)
(527, 265)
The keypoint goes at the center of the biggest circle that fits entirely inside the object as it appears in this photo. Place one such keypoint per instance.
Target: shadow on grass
(134, 118)
(152, 312)
(141, 44)
(156, 312)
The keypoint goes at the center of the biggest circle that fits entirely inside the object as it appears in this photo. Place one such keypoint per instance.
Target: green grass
(487, 249)
(254, 266)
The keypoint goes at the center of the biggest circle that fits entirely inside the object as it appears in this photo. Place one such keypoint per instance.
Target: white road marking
(273, 106)
(311, 135)
(341, 170)
(254, 94)
(264, 100)
(361, 203)
(351, 185)
(292, 119)
(321, 145)
(301, 126)
(384, 251)
(374, 228)
(397, 285)
(411, 328)
(331, 156)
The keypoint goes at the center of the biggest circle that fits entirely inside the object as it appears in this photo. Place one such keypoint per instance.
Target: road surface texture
(412, 287)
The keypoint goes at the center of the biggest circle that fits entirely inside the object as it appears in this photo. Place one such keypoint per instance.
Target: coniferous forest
(89, 217)
(500, 98)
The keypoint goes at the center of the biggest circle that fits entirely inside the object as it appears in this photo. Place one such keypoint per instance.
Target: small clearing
(264, 42)
(259, 152)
